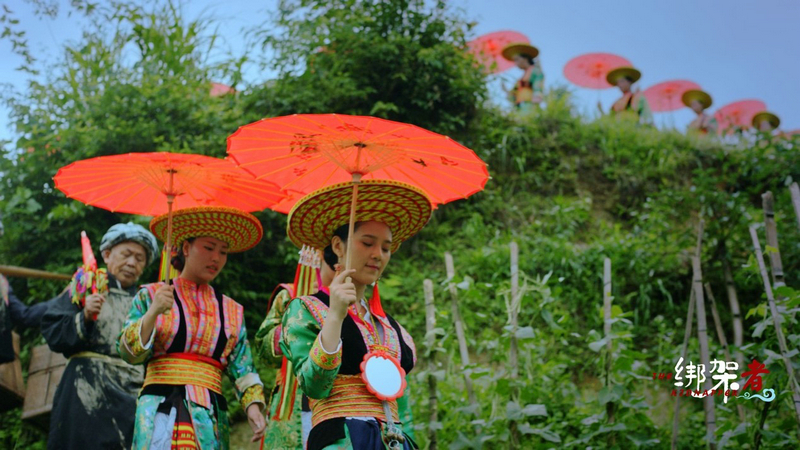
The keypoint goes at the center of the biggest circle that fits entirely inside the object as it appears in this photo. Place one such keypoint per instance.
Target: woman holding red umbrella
(699, 101)
(188, 334)
(333, 339)
(528, 91)
(632, 105)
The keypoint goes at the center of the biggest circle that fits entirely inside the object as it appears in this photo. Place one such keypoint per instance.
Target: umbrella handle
(352, 224)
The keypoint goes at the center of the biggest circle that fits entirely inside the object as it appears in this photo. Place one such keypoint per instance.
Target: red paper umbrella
(791, 133)
(487, 49)
(219, 89)
(590, 70)
(738, 114)
(666, 96)
(302, 153)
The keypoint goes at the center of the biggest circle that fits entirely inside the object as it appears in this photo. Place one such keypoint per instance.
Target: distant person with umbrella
(699, 101)
(187, 334)
(95, 403)
(528, 91)
(766, 122)
(632, 105)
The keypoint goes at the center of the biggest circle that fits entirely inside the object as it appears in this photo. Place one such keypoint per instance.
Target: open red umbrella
(590, 70)
(303, 153)
(738, 115)
(666, 96)
(151, 184)
(488, 47)
(791, 133)
(219, 89)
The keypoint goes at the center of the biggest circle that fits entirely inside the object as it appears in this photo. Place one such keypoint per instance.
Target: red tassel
(375, 306)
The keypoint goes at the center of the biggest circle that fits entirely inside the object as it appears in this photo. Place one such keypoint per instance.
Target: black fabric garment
(179, 344)
(95, 404)
(17, 315)
(353, 351)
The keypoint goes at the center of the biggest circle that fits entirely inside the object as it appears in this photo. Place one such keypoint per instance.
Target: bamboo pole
(430, 341)
(612, 438)
(768, 204)
(24, 272)
(512, 357)
(795, 190)
(462, 340)
(607, 312)
(721, 336)
(705, 359)
(686, 336)
(773, 308)
(736, 312)
(513, 313)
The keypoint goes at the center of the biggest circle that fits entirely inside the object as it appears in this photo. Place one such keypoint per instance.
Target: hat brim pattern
(403, 208)
(240, 230)
(620, 72)
(769, 117)
(512, 50)
(698, 95)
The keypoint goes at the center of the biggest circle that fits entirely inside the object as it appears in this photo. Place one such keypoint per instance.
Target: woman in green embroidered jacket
(528, 91)
(326, 337)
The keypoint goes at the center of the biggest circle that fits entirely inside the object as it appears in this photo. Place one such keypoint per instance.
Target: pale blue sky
(735, 49)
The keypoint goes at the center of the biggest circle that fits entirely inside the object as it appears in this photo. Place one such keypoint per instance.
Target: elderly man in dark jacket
(95, 403)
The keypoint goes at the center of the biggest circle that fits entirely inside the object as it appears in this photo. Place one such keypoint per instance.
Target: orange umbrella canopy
(302, 153)
(667, 95)
(140, 183)
(738, 114)
(488, 49)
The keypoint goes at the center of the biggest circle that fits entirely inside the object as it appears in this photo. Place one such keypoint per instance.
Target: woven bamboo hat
(402, 207)
(512, 50)
(629, 72)
(768, 116)
(240, 230)
(696, 94)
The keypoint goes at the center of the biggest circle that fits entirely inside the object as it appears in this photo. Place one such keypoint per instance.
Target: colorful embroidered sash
(349, 397)
(180, 369)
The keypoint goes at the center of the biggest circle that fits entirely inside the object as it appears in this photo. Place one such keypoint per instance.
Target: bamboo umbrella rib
(124, 201)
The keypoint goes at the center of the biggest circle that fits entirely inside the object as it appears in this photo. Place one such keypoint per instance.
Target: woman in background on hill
(766, 122)
(699, 101)
(632, 105)
(528, 91)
